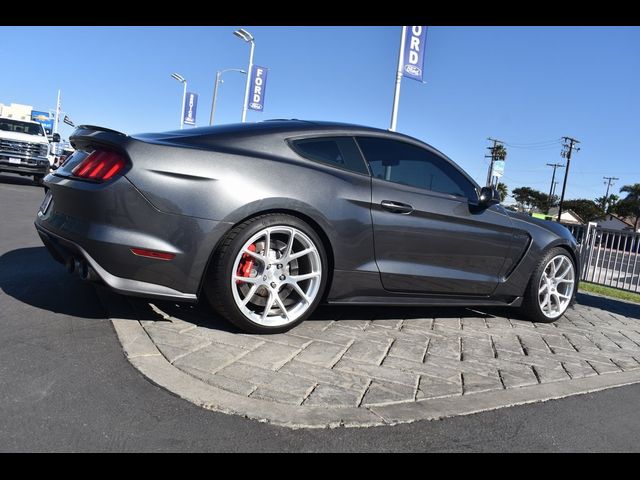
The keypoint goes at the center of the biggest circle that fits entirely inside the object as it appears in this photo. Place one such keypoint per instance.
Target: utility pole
(609, 182)
(493, 158)
(568, 146)
(553, 182)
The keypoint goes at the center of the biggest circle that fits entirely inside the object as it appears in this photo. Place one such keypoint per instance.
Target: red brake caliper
(246, 264)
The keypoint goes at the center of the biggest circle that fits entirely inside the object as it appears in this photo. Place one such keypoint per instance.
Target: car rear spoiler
(90, 135)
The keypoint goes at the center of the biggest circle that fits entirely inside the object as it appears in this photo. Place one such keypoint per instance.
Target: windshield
(10, 125)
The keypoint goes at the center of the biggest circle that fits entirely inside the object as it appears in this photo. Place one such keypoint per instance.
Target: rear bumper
(65, 251)
(100, 223)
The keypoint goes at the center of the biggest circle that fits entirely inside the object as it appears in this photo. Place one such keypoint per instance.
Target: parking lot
(359, 366)
(69, 387)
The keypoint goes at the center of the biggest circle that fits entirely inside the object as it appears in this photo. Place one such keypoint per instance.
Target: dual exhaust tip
(82, 269)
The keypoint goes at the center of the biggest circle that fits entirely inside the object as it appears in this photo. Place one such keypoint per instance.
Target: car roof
(287, 126)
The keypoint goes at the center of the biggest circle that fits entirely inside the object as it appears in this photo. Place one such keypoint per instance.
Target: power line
(533, 144)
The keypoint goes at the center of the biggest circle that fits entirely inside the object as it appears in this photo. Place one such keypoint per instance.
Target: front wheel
(551, 287)
(269, 274)
(38, 180)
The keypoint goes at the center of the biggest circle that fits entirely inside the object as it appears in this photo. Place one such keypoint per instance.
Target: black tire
(38, 180)
(530, 304)
(217, 286)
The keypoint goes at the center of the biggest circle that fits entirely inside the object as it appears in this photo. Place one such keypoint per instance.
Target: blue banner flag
(44, 118)
(258, 88)
(413, 58)
(190, 107)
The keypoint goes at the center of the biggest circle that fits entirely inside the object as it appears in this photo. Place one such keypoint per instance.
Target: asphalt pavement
(65, 384)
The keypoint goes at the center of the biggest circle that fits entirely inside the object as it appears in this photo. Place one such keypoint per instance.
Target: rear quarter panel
(243, 177)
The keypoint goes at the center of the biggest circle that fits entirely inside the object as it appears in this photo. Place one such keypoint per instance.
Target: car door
(430, 235)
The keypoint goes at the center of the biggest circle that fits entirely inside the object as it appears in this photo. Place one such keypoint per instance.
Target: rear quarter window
(339, 152)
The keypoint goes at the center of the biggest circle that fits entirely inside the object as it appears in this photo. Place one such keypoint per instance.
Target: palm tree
(632, 202)
(499, 152)
(503, 190)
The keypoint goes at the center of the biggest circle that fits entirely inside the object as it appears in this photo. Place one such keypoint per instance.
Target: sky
(526, 86)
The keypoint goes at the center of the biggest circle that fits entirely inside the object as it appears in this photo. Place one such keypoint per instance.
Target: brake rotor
(276, 252)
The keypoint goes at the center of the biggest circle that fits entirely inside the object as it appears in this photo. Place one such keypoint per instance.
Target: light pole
(182, 80)
(215, 89)
(247, 37)
(396, 92)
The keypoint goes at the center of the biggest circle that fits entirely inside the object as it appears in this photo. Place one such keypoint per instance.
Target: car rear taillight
(100, 165)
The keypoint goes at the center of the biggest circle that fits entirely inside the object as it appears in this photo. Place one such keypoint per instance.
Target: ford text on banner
(190, 107)
(258, 88)
(413, 61)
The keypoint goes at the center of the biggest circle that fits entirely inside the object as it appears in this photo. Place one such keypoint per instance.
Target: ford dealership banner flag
(190, 107)
(413, 58)
(258, 88)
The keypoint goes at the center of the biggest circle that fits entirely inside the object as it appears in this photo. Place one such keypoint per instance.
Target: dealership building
(16, 110)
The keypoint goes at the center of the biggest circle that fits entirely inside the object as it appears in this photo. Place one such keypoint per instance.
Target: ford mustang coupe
(267, 220)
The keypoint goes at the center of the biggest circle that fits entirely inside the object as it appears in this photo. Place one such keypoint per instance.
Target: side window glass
(408, 164)
(338, 151)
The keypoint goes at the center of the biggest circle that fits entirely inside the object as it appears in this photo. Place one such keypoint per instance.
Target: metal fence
(608, 257)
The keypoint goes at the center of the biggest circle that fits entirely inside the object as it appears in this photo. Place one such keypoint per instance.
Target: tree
(499, 152)
(529, 198)
(503, 190)
(586, 209)
(630, 205)
(608, 204)
(549, 202)
(523, 197)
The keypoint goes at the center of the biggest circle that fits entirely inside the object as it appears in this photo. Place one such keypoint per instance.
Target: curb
(147, 359)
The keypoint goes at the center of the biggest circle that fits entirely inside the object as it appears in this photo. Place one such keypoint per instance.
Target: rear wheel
(269, 274)
(551, 287)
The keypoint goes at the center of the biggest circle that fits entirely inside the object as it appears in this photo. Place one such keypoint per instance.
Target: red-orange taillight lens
(142, 252)
(100, 165)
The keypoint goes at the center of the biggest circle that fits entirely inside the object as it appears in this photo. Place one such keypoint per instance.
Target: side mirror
(55, 138)
(489, 196)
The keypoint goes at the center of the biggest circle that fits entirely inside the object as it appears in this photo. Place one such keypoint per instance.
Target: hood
(23, 137)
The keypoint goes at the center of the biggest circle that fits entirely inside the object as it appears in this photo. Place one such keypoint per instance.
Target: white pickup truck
(25, 148)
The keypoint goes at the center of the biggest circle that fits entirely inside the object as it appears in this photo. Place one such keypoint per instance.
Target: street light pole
(184, 100)
(182, 80)
(396, 92)
(247, 37)
(215, 89)
(215, 96)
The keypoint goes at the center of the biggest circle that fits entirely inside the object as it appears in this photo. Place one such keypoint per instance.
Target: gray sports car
(266, 220)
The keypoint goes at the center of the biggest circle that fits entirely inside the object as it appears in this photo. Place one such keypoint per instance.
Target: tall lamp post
(215, 89)
(182, 80)
(247, 37)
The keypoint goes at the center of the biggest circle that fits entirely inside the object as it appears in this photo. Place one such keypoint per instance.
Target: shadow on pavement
(612, 305)
(203, 315)
(18, 180)
(32, 277)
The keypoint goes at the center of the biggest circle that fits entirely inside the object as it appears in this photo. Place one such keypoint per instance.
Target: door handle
(396, 207)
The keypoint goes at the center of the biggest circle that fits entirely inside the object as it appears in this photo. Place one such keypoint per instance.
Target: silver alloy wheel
(276, 276)
(556, 286)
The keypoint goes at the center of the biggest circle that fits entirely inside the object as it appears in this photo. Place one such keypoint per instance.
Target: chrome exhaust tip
(87, 273)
